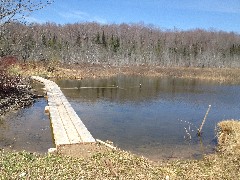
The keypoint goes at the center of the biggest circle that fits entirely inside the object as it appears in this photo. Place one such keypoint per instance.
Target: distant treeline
(124, 44)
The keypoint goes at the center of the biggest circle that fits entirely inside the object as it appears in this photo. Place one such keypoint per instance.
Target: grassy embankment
(224, 164)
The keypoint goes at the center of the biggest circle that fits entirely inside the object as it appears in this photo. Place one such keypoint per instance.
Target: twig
(205, 117)
(106, 144)
(91, 88)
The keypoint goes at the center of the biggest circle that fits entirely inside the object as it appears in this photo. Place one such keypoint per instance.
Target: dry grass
(110, 165)
(117, 164)
(229, 137)
(56, 70)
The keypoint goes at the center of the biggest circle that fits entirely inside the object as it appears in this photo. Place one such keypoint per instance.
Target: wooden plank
(80, 127)
(60, 135)
(67, 126)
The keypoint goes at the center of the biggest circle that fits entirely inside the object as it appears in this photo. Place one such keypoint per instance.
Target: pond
(153, 117)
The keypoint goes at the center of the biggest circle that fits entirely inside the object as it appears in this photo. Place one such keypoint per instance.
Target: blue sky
(166, 14)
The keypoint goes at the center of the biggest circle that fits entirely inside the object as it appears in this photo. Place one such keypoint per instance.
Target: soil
(82, 150)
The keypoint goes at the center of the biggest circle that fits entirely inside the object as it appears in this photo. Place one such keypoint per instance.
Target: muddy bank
(15, 93)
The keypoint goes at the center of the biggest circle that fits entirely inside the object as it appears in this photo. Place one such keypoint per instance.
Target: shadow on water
(149, 116)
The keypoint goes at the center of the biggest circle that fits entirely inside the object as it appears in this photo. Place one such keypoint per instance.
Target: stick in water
(205, 117)
(106, 144)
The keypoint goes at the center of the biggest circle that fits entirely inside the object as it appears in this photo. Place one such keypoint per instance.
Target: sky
(220, 15)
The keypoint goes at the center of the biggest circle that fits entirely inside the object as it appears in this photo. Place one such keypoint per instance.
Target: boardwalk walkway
(67, 126)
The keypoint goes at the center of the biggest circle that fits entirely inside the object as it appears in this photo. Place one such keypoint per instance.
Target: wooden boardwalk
(67, 127)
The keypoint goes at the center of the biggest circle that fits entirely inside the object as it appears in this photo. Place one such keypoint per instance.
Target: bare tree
(124, 44)
(11, 10)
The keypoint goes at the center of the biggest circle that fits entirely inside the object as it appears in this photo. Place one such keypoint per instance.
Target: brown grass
(80, 71)
(115, 164)
(229, 137)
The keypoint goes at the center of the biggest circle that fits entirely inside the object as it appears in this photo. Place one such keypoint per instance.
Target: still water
(157, 119)
(154, 117)
(28, 128)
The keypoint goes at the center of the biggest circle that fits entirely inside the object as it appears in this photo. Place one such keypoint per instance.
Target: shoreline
(83, 71)
(15, 93)
(117, 163)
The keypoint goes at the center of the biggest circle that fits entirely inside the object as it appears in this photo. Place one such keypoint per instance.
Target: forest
(120, 45)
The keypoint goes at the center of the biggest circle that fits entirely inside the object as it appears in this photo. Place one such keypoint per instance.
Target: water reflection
(150, 119)
(124, 88)
(27, 129)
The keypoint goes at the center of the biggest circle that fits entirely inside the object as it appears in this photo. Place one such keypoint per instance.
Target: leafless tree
(124, 44)
(11, 10)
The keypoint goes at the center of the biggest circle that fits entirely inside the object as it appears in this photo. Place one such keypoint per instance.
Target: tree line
(120, 44)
